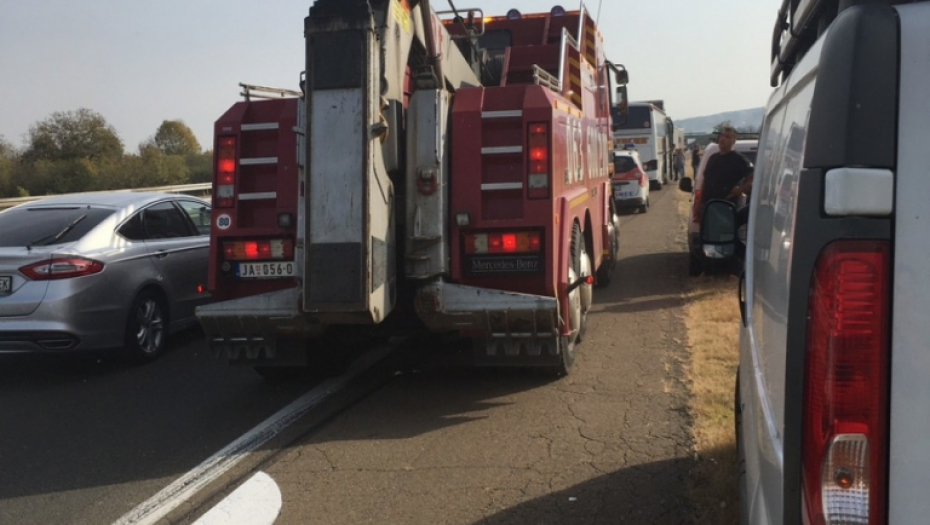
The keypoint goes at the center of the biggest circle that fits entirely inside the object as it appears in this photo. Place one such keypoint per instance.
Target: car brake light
(500, 243)
(277, 249)
(845, 421)
(225, 172)
(538, 161)
(61, 268)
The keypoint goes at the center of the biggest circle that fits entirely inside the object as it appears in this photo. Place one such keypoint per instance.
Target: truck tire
(577, 298)
(566, 356)
(606, 270)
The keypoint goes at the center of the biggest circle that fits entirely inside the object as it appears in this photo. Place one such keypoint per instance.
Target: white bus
(648, 128)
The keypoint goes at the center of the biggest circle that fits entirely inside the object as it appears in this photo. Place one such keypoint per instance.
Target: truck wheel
(579, 299)
(566, 356)
(606, 270)
(146, 328)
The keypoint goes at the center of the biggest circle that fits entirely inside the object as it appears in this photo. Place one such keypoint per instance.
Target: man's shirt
(723, 173)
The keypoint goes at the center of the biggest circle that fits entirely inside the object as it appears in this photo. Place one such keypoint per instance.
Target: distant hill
(746, 118)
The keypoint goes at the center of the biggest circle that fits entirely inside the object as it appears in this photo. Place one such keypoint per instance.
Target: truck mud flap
(258, 327)
(445, 307)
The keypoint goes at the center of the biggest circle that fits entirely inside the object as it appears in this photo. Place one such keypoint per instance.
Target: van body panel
(769, 270)
(814, 122)
(909, 461)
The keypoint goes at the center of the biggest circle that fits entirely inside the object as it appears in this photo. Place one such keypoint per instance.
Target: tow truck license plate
(6, 285)
(266, 270)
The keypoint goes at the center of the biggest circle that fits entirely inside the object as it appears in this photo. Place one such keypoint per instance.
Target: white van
(833, 393)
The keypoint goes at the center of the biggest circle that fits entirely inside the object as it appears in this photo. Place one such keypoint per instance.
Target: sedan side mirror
(686, 185)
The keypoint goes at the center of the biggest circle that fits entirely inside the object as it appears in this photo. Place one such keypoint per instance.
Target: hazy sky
(139, 63)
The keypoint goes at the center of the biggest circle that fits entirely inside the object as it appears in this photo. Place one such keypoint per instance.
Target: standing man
(679, 163)
(728, 173)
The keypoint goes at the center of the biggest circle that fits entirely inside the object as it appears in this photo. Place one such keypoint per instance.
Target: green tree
(68, 135)
(7, 182)
(200, 167)
(175, 138)
(158, 169)
(6, 149)
(52, 177)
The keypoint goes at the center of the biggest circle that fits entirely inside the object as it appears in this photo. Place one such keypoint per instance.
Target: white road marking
(255, 502)
(172, 496)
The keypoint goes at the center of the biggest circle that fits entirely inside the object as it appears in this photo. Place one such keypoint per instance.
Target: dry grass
(712, 319)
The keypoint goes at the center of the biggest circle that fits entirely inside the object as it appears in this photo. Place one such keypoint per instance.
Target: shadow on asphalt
(437, 390)
(85, 421)
(653, 494)
(33, 370)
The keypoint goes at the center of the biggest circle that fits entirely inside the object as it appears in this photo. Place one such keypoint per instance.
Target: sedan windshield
(38, 225)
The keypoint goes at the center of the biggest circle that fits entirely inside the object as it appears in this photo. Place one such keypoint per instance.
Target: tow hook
(583, 280)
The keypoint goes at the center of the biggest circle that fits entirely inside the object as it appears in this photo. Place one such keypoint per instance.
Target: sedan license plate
(6, 285)
(265, 270)
(620, 194)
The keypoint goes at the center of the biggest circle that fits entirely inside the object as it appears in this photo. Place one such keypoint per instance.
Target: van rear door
(909, 461)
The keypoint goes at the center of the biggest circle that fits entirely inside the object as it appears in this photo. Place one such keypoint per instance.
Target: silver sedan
(97, 271)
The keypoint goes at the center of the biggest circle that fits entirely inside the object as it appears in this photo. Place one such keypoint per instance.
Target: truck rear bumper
(446, 307)
(251, 326)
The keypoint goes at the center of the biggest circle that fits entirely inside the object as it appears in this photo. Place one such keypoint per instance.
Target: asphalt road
(84, 440)
(442, 444)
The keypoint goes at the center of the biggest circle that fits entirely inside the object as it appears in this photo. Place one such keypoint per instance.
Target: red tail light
(267, 250)
(538, 161)
(61, 268)
(226, 165)
(501, 243)
(846, 386)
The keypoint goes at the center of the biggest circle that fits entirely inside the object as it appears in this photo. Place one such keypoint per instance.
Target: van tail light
(696, 207)
(643, 179)
(226, 167)
(61, 268)
(502, 243)
(845, 442)
(538, 175)
(265, 250)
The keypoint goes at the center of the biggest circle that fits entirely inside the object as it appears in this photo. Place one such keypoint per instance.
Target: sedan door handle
(161, 254)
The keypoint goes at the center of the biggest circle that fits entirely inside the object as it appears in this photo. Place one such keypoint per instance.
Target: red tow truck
(451, 167)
